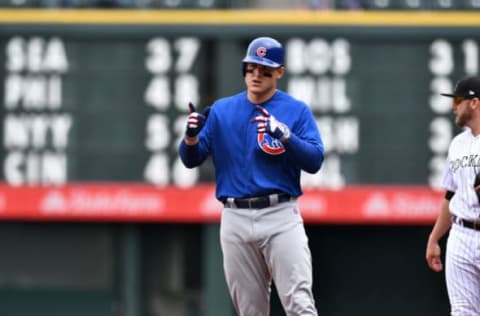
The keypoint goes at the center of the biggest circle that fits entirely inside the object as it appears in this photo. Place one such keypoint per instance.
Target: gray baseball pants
(259, 245)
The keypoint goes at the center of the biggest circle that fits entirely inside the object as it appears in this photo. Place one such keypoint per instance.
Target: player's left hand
(433, 256)
(267, 123)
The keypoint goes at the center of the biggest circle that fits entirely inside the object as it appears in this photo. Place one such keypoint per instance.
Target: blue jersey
(248, 163)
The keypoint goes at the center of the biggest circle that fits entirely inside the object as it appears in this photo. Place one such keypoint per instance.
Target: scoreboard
(98, 109)
(102, 96)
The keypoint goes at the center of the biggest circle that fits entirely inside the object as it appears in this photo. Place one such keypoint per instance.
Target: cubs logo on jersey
(269, 144)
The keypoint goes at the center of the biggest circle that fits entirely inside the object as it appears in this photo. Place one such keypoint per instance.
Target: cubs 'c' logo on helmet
(269, 144)
(261, 52)
(265, 51)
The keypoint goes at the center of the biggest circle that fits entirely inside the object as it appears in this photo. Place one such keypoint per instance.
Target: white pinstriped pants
(462, 270)
(261, 244)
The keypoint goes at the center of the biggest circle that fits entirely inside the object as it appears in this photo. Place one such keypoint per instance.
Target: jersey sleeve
(448, 183)
(305, 144)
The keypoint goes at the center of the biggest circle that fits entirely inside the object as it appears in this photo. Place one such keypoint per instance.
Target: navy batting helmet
(265, 51)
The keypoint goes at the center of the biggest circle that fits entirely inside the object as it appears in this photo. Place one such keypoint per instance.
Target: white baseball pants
(462, 270)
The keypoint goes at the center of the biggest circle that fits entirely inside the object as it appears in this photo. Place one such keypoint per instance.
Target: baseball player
(259, 140)
(460, 210)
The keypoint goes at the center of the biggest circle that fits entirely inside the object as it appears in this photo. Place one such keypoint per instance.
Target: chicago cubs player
(260, 140)
(460, 210)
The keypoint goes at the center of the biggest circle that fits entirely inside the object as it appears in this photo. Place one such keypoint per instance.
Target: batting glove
(267, 123)
(195, 120)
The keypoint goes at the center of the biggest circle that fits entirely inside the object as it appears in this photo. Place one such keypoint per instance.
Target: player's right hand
(432, 255)
(267, 123)
(195, 120)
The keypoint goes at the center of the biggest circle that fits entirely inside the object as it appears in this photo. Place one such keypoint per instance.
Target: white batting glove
(267, 123)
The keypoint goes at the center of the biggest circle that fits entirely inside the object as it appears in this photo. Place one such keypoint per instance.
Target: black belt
(463, 222)
(258, 201)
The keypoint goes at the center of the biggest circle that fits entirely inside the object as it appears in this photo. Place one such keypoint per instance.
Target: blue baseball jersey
(248, 163)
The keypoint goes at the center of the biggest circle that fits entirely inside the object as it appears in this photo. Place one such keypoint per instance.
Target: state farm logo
(54, 202)
(377, 205)
(400, 205)
(98, 202)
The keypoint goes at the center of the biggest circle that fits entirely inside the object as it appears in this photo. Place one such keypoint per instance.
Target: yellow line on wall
(240, 17)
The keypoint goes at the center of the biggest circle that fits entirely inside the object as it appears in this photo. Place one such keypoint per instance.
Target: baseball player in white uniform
(460, 210)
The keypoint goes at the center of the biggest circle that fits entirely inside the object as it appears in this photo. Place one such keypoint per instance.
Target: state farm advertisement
(146, 203)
